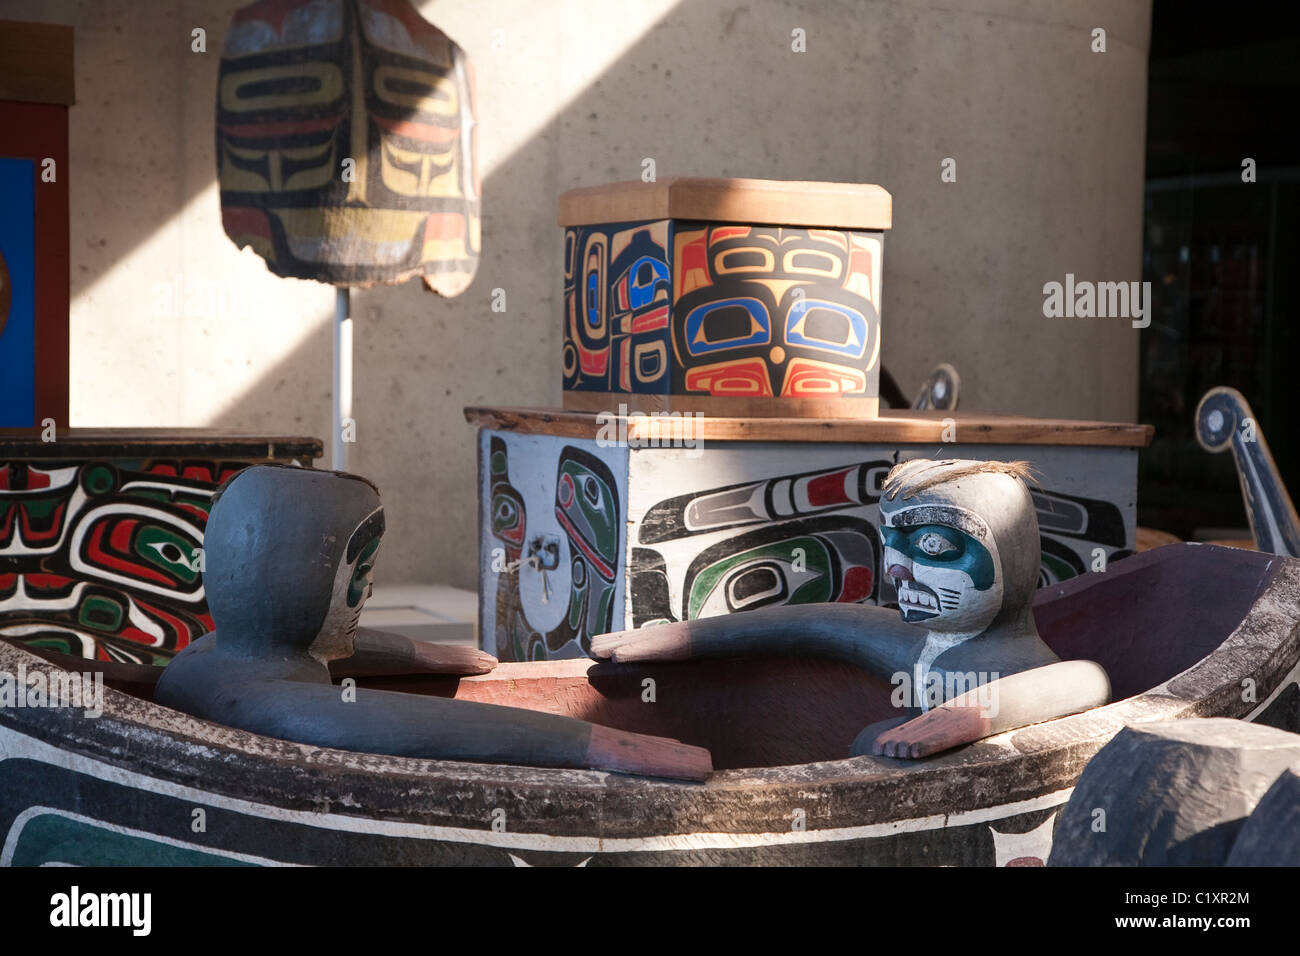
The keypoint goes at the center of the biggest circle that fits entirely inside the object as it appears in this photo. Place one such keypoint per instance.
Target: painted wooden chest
(727, 296)
(595, 523)
(101, 535)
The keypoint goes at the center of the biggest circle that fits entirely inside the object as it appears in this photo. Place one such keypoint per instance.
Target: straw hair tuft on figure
(910, 478)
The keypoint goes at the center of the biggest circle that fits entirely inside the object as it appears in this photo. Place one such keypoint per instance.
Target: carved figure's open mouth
(916, 601)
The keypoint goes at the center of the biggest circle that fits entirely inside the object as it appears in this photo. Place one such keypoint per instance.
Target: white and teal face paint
(945, 565)
(352, 586)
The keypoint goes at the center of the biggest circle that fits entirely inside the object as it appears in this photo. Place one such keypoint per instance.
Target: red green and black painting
(101, 559)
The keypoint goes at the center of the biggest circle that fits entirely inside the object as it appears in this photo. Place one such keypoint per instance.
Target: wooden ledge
(894, 427)
(217, 443)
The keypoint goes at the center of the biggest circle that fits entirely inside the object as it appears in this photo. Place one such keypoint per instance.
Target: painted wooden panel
(617, 305)
(17, 293)
(761, 317)
(552, 544)
(741, 526)
(731, 527)
(33, 264)
(100, 555)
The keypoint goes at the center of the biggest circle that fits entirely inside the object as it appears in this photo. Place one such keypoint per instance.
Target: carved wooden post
(1224, 420)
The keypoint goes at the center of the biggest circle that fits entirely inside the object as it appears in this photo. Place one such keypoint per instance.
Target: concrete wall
(172, 325)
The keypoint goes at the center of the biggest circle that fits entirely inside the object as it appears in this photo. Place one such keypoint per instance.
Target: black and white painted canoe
(1183, 631)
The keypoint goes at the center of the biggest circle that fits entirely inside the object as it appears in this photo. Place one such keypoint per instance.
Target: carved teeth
(917, 598)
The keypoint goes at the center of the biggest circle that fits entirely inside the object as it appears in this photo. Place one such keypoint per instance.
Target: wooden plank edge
(973, 430)
(859, 207)
(23, 444)
(847, 407)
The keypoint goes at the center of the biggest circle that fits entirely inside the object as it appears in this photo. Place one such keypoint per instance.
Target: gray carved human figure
(289, 554)
(961, 543)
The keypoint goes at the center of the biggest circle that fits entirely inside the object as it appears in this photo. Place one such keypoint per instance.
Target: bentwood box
(588, 526)
(741, 297)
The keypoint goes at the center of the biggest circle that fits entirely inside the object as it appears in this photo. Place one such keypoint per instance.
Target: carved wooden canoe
(1183, 631)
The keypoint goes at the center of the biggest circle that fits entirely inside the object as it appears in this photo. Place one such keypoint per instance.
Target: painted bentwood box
(726, 296)
(36, 89)
(101, 531)
(586, 528)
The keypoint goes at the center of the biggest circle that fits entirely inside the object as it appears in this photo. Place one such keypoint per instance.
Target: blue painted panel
(18, 327)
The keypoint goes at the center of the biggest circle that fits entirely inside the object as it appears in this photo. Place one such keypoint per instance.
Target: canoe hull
(125, 787)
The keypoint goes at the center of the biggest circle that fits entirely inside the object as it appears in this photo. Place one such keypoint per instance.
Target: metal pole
(342, 378)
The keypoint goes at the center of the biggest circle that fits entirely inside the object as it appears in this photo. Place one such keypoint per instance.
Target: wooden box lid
(758, 201)
(36, 63)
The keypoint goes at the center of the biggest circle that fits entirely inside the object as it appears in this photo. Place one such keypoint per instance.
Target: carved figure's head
(961, 542)
(289, 554)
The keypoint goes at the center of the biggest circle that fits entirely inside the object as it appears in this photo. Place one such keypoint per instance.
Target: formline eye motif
(169, 552)
(936, 545)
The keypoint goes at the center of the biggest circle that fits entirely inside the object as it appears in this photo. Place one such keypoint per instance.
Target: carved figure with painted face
(961, 544)
(352, 587)
(289, 558)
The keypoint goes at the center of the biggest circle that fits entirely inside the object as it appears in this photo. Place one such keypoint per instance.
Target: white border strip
(14, 745)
